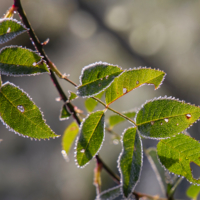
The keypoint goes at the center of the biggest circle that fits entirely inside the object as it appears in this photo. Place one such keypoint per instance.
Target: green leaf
(110, 193)
(90, 139)
(72, 96)
(116, 119)
(97, 77)
(157, 168)
(90, 103)
(177, 153)
(193, 191)
(9, 29)
(18, 61)
(132, 79)
(130, 161)
(69, 136)
(64, 113)
(21, 115)
(165, 117)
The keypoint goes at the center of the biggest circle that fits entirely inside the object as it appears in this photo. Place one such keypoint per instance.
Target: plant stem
(39, 47)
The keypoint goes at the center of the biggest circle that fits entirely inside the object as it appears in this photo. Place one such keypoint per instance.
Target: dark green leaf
(165, 117)
(158, 169)
(21, 115)
(18, 61)
(132, 79)
(130, 161)
(96, 78)
(90, 103)
(110, 193)
(177, 153)
(90, 138)
(69, 136)
(116, 119)
(64, 113)
(193, 191)
(9, 29)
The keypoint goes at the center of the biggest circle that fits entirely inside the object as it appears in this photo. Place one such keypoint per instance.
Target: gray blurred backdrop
(162, 34)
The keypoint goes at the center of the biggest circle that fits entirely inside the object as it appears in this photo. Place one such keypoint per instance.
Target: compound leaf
(110, 193)
(97, 77)
(9, 29)
(193, 191)
(132, 79)
(116, 119)
(21, 115)
(157, 168)
(165, 117)
(64, 113)
(130, 161)
(90, 138)
(18, 61)
(90, 103)
(69, 136)
(177, 153)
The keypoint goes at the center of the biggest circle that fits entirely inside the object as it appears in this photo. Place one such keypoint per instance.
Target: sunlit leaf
(90, 103)
(116, 119)
(110, 194)
(193, 191)
(9, 29)
(18, 61)
(96, 78)
(157, 168)
(64, 113)
(130, 161)
(177, 153)
(21, 115)
(72, 96)
(91, 137)
(166, 117)
(132, 79)
(69, 136)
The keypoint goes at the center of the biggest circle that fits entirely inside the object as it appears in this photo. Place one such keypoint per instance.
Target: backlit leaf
(90, 103)
(91, 137)
(64, 113)
(130, 161)
(116, 119)
(18, 61)
(132, 79)
(9, 29)
(69, 136)
(97, 77)
(165, 117)
(177, 153)
(110, 194)
(193, 191)
(157, 168)
(72, 96)
(21, 115)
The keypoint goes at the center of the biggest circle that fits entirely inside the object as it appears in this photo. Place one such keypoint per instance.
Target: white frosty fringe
(119, 158)
(110, 190)
(77, 139)
(20, 75)
(10, 35)
(92, 66)
(162, 98)
(12, 130)
(70, 93)
(60, 116)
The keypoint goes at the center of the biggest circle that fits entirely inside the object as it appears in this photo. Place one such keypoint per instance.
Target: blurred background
(162, 34)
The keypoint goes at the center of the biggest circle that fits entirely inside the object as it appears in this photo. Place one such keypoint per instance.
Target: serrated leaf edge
(20, 75)
(12, 130)
(161, 98)
(77, 139)
(119, 158)
(93, 65)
